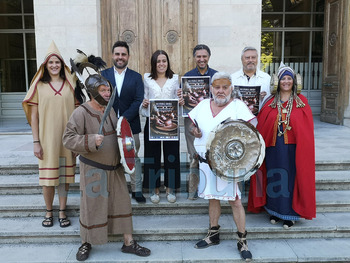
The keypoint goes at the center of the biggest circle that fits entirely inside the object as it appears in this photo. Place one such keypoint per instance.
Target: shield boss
(235, 150)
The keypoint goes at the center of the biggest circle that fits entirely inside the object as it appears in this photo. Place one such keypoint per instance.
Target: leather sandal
(48, 221)
(83, 252)
(64, 222)
(136, 249)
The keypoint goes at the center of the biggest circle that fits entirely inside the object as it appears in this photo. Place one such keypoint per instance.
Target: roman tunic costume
(211, 186)
(285, 183)
(105, 205)
(171, 149)
(54, 108)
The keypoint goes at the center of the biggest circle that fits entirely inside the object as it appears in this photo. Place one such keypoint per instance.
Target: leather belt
(99, 165)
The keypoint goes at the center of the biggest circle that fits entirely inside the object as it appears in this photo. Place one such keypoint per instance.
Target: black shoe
(274, 219)
(212, 238)
(136, 249)
(242, 246)
(83, 252)
(287, 224)
(138, 196)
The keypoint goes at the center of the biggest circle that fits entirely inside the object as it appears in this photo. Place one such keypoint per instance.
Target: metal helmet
(92, 83)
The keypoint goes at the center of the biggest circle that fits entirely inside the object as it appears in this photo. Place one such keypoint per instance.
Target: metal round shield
(126, 145)
(235, 150)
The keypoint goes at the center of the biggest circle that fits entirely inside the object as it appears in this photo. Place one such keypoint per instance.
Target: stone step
(33, 205)
(277, 251)
(26, 167)
(28, 183)
(180, 227)
(333, 180)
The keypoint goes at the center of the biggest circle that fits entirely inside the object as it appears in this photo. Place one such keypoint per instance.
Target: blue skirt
(281, 170)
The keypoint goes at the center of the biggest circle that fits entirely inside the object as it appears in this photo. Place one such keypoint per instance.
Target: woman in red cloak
(285, 184)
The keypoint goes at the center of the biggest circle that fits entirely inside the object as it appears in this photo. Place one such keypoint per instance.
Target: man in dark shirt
(201, 54)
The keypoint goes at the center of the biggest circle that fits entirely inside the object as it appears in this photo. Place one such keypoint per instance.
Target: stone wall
(71, 24)
(227, 26)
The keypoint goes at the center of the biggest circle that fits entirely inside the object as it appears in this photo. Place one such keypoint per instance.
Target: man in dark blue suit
(127, 102)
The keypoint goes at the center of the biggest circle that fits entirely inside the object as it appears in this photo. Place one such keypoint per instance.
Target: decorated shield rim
(120, 142)
(259, 159)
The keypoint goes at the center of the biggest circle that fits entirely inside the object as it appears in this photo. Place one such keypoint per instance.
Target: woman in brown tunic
(48, 106)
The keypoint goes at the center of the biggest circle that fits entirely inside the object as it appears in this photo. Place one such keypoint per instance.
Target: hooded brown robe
(105, 205)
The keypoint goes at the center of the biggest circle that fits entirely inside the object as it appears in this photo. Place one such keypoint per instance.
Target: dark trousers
(152, 162)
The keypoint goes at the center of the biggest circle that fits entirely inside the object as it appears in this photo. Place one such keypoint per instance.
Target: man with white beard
(205, 117)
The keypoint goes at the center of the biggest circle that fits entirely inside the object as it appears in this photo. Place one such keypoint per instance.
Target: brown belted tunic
(105, 206)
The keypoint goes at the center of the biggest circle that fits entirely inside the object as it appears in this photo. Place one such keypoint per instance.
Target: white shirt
(154, 91)
(119, 79)
(260, 78)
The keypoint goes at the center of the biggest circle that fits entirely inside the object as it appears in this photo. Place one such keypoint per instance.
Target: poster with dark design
(164, 120)
(250, 96)
(194, 90)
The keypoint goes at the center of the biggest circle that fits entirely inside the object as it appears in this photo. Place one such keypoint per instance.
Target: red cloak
(301, 134)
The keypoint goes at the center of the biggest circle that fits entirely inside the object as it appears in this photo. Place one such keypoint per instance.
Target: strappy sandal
(48, 221)
(136, 249)
(83, 252)
(64, 222)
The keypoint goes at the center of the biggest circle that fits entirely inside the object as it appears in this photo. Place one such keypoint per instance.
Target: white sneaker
(171, 198)
(155, 198)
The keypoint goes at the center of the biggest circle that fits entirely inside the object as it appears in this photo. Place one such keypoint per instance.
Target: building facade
(308, 35)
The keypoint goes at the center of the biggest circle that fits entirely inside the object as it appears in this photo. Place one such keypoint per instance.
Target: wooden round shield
(126, 145)
(235, 150)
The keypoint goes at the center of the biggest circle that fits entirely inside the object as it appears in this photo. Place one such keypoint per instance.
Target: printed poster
(250, 96)
(164, 120)
(194, 90)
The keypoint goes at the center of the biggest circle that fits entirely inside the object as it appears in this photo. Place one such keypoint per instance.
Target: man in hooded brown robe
(105, 206)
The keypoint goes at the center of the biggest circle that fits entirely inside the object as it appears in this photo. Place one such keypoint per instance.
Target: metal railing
(311, 73)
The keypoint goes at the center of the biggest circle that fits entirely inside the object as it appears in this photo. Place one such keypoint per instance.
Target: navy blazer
(131, 97)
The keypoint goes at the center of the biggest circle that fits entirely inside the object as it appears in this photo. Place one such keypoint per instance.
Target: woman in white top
(161, 83)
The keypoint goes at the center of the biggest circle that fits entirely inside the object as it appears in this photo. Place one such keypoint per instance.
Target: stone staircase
(171, 230)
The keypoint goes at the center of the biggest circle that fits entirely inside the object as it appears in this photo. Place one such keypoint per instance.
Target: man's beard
(120, 66)
(223, 101)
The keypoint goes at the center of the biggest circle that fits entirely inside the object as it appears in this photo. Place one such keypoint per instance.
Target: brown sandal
(48, 221)
(136, 249)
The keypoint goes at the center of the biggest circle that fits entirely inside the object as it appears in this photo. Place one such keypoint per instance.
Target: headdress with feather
(92, 65)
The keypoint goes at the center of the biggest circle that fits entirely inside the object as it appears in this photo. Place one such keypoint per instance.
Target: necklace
(284, 110)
